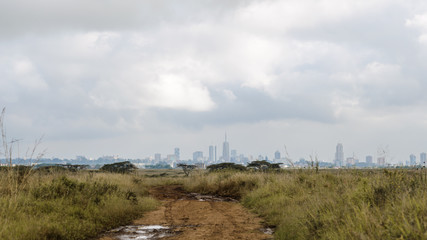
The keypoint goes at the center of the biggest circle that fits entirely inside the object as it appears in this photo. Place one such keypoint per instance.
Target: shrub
(120, 167)
(226, 166)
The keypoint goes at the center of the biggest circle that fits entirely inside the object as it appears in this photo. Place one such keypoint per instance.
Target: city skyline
(382, 158)
(340, 159)
(137, 78)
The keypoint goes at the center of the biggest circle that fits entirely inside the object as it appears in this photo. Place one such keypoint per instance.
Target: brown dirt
(195, 216)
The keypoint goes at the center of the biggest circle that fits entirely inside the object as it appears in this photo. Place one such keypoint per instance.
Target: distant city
(171, 160)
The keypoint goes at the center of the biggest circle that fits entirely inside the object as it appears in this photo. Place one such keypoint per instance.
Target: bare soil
(194, 216)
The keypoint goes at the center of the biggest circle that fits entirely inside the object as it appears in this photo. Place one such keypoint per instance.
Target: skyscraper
(423, 158)
(197, 156)
(226, 150)
(177, 153)
(369, 160)
(277, 155)
(412, 160)
(233, 155)
(339, 155)
(211, 153)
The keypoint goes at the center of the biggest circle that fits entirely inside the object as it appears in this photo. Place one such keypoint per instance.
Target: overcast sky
(132, 78)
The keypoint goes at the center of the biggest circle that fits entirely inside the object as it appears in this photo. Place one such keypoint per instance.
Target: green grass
(69, 205)
(341, 204)
(300, 204)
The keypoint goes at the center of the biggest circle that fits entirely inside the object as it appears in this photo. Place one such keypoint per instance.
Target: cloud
(92, 70)
(20, 17)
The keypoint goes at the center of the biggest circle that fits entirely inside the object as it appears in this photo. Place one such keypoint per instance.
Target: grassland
(332, 204)
(300, 204)
(66, 205)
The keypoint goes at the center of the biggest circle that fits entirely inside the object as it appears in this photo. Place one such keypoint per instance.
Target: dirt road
(193, 216)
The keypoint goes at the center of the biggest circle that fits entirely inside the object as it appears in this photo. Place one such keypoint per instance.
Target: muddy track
(193, 216)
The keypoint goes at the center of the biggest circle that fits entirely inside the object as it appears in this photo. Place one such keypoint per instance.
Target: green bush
(120, 167)
(226, 166)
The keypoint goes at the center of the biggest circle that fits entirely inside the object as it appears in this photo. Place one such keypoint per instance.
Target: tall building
(157, 157)
(412, 160)
(351, 161)
(171, 157)
(211, 153)
(233, 155)
(277, 155)
(215, 154)
(339, 155)
(369, 160)
(226, 150)
(177, 154)
(423, 158)
(197, 156)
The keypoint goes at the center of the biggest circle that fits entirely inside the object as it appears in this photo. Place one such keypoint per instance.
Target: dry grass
(342, 204)
(70, 205)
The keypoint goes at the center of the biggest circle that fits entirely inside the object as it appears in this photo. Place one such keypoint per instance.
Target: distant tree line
(262, 165)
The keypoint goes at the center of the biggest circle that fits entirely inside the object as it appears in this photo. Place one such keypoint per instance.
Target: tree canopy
(226, 165)
(120, 167)
(263, 165)
(187, 168)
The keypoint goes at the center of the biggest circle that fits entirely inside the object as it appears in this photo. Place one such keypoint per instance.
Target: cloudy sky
(132, 78)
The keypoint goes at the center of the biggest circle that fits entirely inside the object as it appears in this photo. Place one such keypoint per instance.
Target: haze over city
(142, 77)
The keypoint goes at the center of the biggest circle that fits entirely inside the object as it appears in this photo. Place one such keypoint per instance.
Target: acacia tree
(187, 168)
(263, 165)
(120, 167)
(226, 166)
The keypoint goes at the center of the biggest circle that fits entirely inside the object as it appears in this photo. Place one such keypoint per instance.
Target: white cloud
(419, 21)
(114, 68)
(178, 92)
(279, 17)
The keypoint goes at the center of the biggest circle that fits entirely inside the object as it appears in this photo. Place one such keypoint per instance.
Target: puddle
(137, 232)
(267, 230)
(210, 198)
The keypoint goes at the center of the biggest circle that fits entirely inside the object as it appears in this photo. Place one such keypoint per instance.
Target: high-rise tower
(339, 155)
(177, 153)
(211, 154)
(226, 150)
(423, 158)
(277, 155)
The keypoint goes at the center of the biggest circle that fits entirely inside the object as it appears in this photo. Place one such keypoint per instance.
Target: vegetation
(263, 165)
(226, 166)
(300, 204)
(158, 166)
(120, 167)
(70, 206)
(328, 204)
(187, 168)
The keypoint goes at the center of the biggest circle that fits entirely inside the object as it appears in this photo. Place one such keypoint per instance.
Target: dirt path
(193, 216)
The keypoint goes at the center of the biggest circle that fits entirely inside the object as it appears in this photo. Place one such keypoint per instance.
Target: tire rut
(193, 216)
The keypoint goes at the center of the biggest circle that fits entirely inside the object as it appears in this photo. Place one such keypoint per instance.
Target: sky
(133, 78)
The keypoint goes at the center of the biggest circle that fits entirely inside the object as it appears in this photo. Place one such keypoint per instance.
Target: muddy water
(131, 232)
(193, 216)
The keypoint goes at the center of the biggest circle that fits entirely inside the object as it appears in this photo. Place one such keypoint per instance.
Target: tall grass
(71, 205)
(341, 204)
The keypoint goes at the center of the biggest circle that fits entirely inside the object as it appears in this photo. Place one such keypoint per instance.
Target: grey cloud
(91, 70)
(252, 106)
(46, 16)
